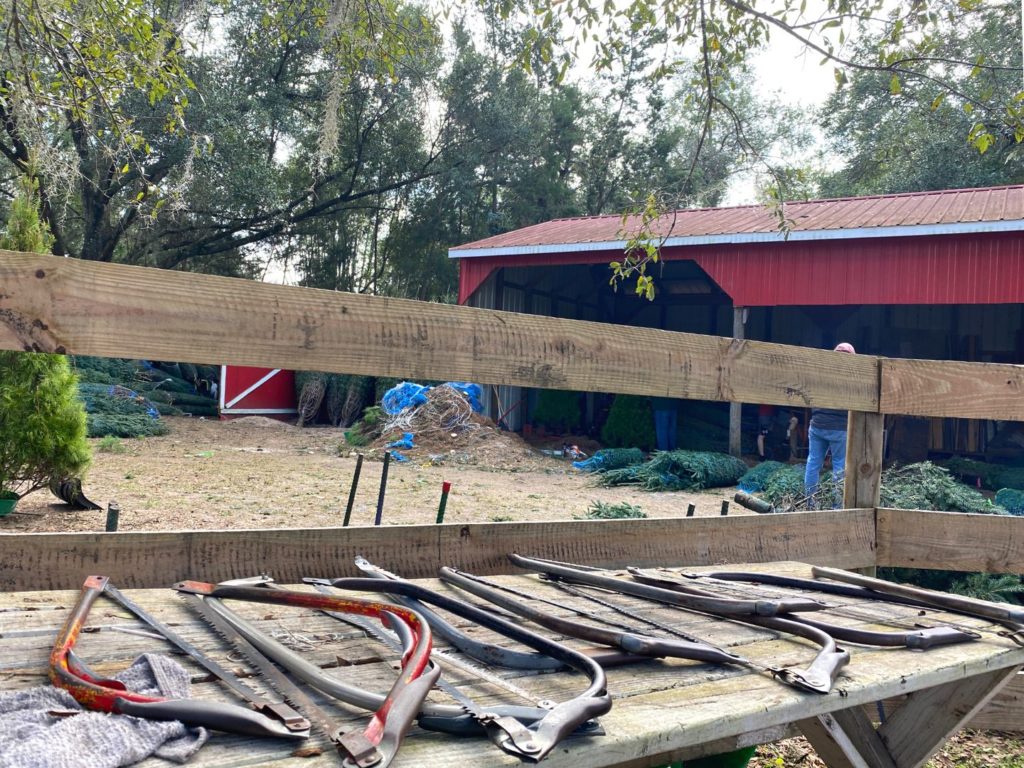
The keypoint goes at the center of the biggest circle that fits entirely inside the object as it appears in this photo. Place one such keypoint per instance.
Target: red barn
(246, 391)
(929, 275)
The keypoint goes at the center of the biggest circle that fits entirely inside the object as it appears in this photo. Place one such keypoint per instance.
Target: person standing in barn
(826, 434)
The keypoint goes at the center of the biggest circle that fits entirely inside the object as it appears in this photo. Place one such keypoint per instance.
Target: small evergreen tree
(630, 423)
(42, 421)
(558, 410)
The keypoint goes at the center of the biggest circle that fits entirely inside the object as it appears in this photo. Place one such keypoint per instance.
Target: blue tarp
(405, 442)
(403, 395)
(407, 394)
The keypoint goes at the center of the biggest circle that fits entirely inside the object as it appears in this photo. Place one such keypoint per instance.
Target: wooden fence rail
(64, 305)
(845, 539)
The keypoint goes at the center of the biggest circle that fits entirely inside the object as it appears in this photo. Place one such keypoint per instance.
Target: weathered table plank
(663, 709)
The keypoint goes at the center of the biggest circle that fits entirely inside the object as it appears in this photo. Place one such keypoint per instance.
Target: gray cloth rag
(32, 737)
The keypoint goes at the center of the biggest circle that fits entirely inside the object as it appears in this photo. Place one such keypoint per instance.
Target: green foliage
(558, 410)
(368, 428)
(1002, 588)
(679, 471)
(784, 489)
(601, 510)
(608, 459)
(111, 444)
(25, 231)
(998, 588)
(992, 476)
(756, 478)
(926, 486)
(373, 418)
(125, 425)
(1011, 500)
(914, 139)
(630, 423)
(42, 424)
(356, 439)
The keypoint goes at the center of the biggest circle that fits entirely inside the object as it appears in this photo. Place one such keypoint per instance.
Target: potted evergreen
(42, 421)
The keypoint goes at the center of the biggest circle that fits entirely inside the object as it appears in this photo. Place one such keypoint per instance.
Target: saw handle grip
(210, 714)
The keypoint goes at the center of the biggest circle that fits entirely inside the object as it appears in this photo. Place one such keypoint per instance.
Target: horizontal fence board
(950, 541)
(953, 389)
(54, 304)
(43, 561)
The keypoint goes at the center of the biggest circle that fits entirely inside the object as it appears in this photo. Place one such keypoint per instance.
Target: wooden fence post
(863, 482)
(863, 460)
(739, 320)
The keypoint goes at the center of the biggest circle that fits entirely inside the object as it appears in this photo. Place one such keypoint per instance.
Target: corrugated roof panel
(912, 209)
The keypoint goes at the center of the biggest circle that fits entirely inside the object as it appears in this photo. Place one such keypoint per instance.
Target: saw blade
(269, 672)
(390, 639)
(291, 719)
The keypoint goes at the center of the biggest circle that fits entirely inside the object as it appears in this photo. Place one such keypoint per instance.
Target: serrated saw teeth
(111, 696)
(376, 744)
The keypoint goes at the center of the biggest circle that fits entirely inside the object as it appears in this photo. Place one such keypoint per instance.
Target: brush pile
(679, 471)
(926, 486)
(438, 411)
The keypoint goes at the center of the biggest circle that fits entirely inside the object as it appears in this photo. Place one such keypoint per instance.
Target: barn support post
(739, 319)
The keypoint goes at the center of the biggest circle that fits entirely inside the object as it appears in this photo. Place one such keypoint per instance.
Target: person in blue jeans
(826, 433)
(666, 422)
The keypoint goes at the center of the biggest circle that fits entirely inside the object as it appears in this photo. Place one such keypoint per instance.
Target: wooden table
(663, 710)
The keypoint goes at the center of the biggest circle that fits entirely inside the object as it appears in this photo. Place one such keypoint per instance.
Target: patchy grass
(966, 749)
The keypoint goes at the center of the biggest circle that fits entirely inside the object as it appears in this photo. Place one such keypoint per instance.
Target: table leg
(912, 734)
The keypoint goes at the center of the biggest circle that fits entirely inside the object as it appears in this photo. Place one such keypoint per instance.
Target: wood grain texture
(863, 460)
(950, 541)
(846, 739)
(662, 709)
(1004, 712)
(53, 304)
(843, 538)
(954, 389)
(929, 717)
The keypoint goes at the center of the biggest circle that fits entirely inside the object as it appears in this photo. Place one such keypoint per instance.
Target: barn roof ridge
(743, 206)
(990, 209)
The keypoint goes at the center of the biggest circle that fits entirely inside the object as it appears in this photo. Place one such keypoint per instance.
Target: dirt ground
(255, 472)
(259, 473)
(966, 749)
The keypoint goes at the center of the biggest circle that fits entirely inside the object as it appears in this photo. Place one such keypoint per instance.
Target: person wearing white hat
(826, 433)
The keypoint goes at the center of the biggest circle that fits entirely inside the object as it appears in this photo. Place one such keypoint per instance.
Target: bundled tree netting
(180, 399)
(755, 478)
(189, 373)
(444, 411)
(679, 471)
(992, 476)
(926, 486)
(106, 370)
(355, 399)
(124, 425)
(334, 399)
(115, 410)
(608, 459)
(160, 383)
(311, 386)
(1011, 500)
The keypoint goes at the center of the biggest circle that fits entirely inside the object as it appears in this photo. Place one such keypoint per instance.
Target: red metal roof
(989, 209)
